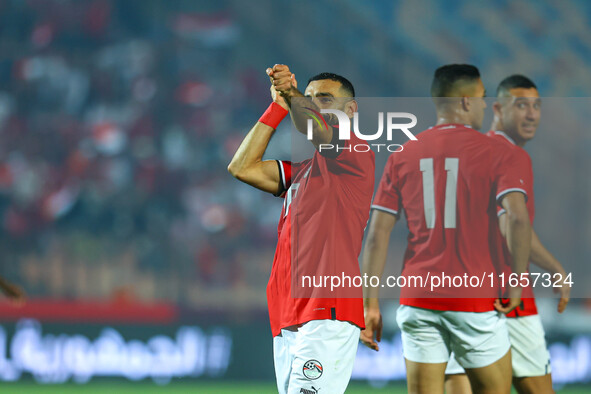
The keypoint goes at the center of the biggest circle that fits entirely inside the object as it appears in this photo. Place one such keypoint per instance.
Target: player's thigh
(425, 378)
(424, 340)
(324, 353)
(457, 384)
(480, 343)
(534, 385)
(492, 379)
(530, 356)
(477, 339)
(456, 380)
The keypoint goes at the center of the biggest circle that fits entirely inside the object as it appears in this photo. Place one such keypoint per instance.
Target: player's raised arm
(518, 236)
(248, 165)
(283, 80)
(374, 261)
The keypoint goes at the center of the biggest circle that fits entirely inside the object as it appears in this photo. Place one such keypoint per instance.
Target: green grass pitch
(197, 387)
(173, 388)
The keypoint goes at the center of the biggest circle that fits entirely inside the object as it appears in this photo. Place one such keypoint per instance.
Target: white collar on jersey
(506, 136)
(450, 126)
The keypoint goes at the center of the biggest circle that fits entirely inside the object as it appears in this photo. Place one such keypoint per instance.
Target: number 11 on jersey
(451, 185)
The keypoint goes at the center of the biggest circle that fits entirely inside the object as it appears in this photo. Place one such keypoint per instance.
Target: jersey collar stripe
(449, 126)
(501, 212)
(506, 136)
(380, 208)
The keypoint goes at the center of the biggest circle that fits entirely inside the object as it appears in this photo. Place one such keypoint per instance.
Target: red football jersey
(449, 183)
(326, 207)
(528, 302)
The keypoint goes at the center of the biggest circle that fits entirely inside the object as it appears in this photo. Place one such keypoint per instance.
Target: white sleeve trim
(501, 212)
(282, 171)
(514, 189)
(380, 208)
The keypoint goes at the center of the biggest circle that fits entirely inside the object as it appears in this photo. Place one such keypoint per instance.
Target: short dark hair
(345, 83)
(446, 77)
(513, 82)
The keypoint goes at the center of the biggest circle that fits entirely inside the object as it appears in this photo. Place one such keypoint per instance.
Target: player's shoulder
(300, 164)
(292, 169)
(456, 131)
(499, 142)
(304, 163)
(501, 138)
(503, 141)
(407, 151)
(523, 157)
(522, 153)
(421, 138)
(439, 135)
(510, 157)
(474, 141)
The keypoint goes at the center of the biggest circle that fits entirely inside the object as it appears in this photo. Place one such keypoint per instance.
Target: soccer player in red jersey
(449, 183)
(517, 115)
(326, 207)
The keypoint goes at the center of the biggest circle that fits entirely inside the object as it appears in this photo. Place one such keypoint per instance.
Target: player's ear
(465, 102)
(497, 108)
(350, 108)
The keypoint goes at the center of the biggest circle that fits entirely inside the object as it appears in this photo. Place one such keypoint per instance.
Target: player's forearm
(374, 260)
(375, 251)
(518, 230)
(503, 225)
(519, 240)
(541, 257)
(299, 109)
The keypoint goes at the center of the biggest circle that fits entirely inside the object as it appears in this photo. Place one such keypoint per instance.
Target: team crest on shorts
(312, 369)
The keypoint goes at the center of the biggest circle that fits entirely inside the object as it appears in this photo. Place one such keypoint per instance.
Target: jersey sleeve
(287, 172)
(388, 197)
(513, 174)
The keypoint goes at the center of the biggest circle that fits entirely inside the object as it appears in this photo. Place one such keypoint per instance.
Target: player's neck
(496, 126)
(452, 119)
(518, 141)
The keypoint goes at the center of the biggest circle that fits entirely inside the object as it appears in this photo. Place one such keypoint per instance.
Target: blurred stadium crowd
(118, 119)
(113, 173)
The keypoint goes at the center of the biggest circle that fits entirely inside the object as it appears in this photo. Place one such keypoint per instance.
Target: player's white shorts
(318, 357)
(430, 336)
(453, 367)
(529, 354)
